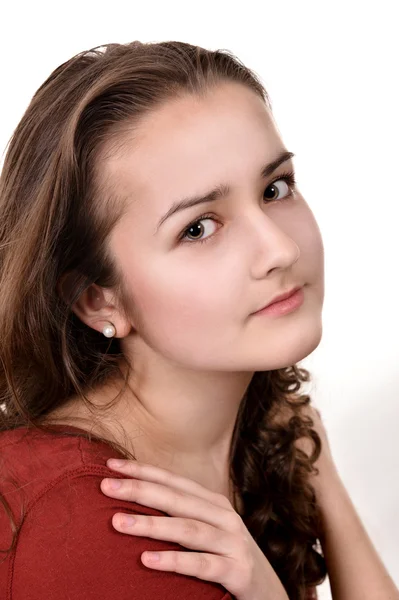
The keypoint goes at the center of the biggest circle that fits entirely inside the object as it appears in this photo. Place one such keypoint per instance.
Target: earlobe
(109, 330)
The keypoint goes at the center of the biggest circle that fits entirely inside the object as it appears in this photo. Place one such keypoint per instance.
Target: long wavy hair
(56, 214)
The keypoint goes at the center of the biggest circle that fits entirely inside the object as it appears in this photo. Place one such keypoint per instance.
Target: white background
(331, 69)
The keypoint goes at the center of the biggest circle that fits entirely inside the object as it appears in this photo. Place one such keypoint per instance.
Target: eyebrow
(221, 190)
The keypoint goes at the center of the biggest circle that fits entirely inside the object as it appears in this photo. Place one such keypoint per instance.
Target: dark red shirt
(67, 548)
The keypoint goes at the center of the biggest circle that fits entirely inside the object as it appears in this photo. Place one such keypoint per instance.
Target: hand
(204, 521)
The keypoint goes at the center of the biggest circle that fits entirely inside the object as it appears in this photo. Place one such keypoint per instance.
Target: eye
(288, 181)
(196, 230)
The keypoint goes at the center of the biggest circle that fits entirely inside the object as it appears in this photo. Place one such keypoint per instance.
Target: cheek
(302, 227)
(179, 301)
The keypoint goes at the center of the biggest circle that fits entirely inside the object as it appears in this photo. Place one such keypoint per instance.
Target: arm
(355, 570)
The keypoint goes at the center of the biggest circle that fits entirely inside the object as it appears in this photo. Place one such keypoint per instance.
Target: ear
(96, 307)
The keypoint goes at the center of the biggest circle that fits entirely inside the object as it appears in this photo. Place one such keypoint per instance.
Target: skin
(190, 336)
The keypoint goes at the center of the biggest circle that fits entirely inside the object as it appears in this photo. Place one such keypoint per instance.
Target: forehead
(191, 143)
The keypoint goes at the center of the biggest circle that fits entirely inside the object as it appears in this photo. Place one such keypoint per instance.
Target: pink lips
(282, 297)
(284, 303)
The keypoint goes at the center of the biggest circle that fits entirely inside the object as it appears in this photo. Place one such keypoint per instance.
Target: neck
(179, 420)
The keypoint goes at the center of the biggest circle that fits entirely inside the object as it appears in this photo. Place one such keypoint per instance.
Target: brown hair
(55, 217)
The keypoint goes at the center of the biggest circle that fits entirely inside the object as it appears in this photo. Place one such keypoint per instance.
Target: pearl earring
(109, 330)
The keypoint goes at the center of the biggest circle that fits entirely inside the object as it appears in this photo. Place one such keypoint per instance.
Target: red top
(67, 548)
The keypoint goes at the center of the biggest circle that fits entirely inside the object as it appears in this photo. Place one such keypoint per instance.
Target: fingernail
(152, 556)
(128, 520)
(115, 462)
(114, 484)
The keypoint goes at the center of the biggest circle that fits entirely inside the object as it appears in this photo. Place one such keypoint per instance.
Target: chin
(308, 342)
(286, 348)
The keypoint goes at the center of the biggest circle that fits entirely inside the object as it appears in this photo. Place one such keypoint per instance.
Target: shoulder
(67, 546)
(33, 461)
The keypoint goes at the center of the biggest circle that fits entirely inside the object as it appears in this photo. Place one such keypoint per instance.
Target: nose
(272, 248)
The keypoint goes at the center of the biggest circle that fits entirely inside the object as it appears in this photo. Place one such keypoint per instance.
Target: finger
(189, 533)
(208, 567)
(174, 502)
(155, 474)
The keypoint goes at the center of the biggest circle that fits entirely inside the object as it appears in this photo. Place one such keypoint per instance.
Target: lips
(282, 297)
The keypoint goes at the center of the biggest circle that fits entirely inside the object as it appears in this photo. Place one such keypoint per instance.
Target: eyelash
(288, 178)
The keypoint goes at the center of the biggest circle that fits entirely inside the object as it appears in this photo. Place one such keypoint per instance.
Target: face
(195, 280)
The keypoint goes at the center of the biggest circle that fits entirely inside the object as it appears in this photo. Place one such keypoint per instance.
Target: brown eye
(197, 231)
(272, 191)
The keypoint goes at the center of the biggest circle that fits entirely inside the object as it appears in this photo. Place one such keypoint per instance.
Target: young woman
(149, 225)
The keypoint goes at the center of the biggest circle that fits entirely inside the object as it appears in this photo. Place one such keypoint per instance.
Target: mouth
(283, 303)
